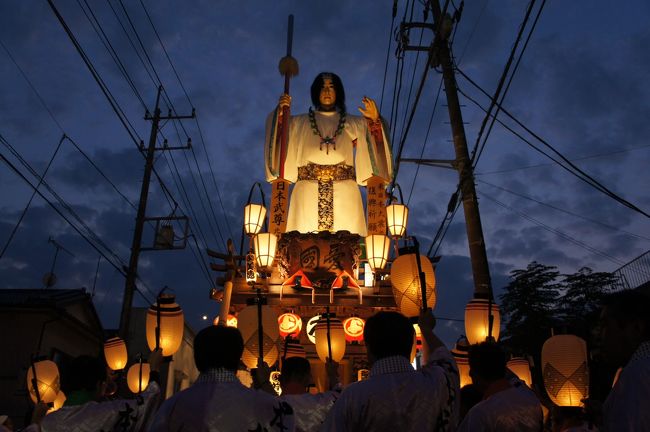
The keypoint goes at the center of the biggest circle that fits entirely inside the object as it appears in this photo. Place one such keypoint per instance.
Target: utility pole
(463, 164)
(136, 247)
(439, 54)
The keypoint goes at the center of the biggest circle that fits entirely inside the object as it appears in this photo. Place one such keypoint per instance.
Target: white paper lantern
(477, 321)
(337, 339)
(520, 367)
(405, 278)
(248, 326)
(565, 371)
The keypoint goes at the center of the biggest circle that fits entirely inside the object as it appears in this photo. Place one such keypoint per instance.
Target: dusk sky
(581, 86)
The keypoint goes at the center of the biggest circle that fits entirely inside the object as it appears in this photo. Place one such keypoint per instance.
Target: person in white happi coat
(625, 338)
(218, 401)
(309, 409)
(395, 397)
(329, 153)
(84, 382)
(508, 405)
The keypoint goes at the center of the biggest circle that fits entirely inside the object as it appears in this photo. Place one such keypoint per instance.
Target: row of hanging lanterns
(164, 327)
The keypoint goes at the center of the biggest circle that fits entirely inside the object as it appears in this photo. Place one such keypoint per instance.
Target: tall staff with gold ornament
(280, 187)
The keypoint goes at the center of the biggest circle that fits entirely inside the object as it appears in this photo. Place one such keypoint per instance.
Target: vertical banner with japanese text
(279, 206)
(376, 192)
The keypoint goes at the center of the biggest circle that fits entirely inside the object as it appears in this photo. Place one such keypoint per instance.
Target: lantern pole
(421, 275)
(329, 339)
(35, 381)
(259, 301)
(140, 372)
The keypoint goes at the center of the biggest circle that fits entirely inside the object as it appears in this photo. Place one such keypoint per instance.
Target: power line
(571, 168)
(574, 159)
(29, 203)
(555, 231)
(478, 147)
(520, 195)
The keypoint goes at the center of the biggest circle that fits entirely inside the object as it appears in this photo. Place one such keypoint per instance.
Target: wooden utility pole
(439, 55)
(132, 271)
(463, 164)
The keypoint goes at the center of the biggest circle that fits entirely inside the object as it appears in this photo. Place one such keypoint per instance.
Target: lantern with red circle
(353, 328)
(289, 324)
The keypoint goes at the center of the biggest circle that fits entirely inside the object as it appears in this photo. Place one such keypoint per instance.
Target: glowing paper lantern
(231, 321)
(397, 216)
(353, 328)
(311, 328)
(460, 353)
(115, 353)
(289, 324)
(292, 348)
(58, 402)
(405, 279)
(337, 339)
(137, 377)
(520, 367)
(265, 246)
(47, 381)
(377, 247)
(564, 368)
(254, 215)
(172, 325)
(247, 323)
(477, 320)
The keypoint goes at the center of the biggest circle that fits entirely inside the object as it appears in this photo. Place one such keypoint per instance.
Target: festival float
(315, 254)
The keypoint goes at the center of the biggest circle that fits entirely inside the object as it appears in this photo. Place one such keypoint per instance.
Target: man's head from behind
(624, 325)
(388, 334)
(218, 347)
(487, 364)
(295, 376)
(84, 374)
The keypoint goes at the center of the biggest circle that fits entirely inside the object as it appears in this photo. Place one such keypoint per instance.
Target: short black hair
(388, 334)
(627, 306)
(82, 373)
(487, 360)
(218, 347)
(317, 85)
(295, 369)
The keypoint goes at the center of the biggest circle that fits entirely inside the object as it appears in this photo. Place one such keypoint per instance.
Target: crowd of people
(394, 397)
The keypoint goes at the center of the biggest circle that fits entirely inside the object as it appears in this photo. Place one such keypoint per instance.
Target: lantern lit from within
(477, 321)
(293, 348)
(254, 215)
(248, 326)
(115, 353)
(265, 245)
(353, 328)
(520, 367)
(172, 325)
(397, 216)
(405, 278)
(377, 247)
(58, 402)
(289, 324)
(460, 353)
(310, 329)
(564, 368)
(47, 381)
(337, 339)
(137, 377)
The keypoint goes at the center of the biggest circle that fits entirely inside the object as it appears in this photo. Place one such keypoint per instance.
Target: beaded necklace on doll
(328, 139)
